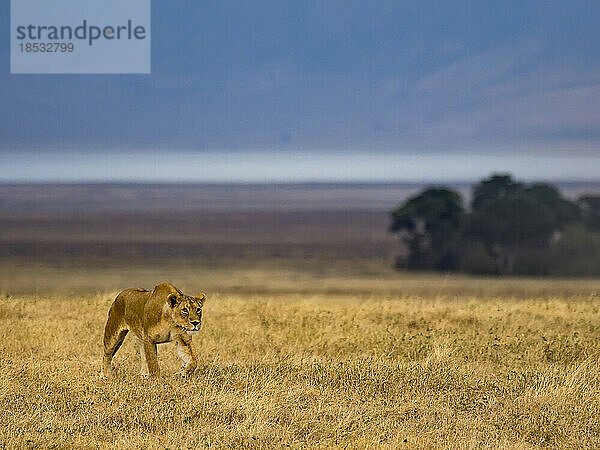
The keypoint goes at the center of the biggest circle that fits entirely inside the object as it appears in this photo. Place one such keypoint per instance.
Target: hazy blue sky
(297, 90)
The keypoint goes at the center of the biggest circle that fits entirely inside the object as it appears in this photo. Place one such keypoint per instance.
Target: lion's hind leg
(114, 335)
(110, 348)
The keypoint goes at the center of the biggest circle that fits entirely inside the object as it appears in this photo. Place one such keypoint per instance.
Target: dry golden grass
(271, 277)
(315, 369)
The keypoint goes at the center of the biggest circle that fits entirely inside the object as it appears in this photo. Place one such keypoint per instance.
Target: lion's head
(186, 311)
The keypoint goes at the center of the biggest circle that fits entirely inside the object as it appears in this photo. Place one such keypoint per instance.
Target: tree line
(509, 228)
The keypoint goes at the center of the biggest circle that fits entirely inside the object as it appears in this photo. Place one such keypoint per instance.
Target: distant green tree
(561, 210)
(493, 188)
(590, 209)
(510, 218)
(429, 224)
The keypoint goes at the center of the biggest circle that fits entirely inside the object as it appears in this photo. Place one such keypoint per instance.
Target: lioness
(154, 317)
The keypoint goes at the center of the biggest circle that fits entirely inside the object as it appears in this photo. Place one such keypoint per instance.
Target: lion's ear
(201, 297)
(173, 300)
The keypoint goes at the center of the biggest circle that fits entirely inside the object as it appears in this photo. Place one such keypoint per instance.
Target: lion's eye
(198, 310)
(184, 310)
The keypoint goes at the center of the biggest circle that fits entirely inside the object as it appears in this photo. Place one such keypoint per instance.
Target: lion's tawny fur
(164, 314)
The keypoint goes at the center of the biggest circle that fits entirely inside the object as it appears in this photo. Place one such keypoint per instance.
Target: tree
(493, 188)
(562, 211)
(510, 218)
(428, 224)
(590, 209)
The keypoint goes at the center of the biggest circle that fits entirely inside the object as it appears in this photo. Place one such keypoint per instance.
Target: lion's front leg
(185, 351)
(144, 371)
(151, 358)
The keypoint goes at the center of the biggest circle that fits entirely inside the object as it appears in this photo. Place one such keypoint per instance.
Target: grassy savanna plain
(310, 338)
(300, 360)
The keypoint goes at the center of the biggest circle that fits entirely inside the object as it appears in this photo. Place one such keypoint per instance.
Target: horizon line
(307, 182)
